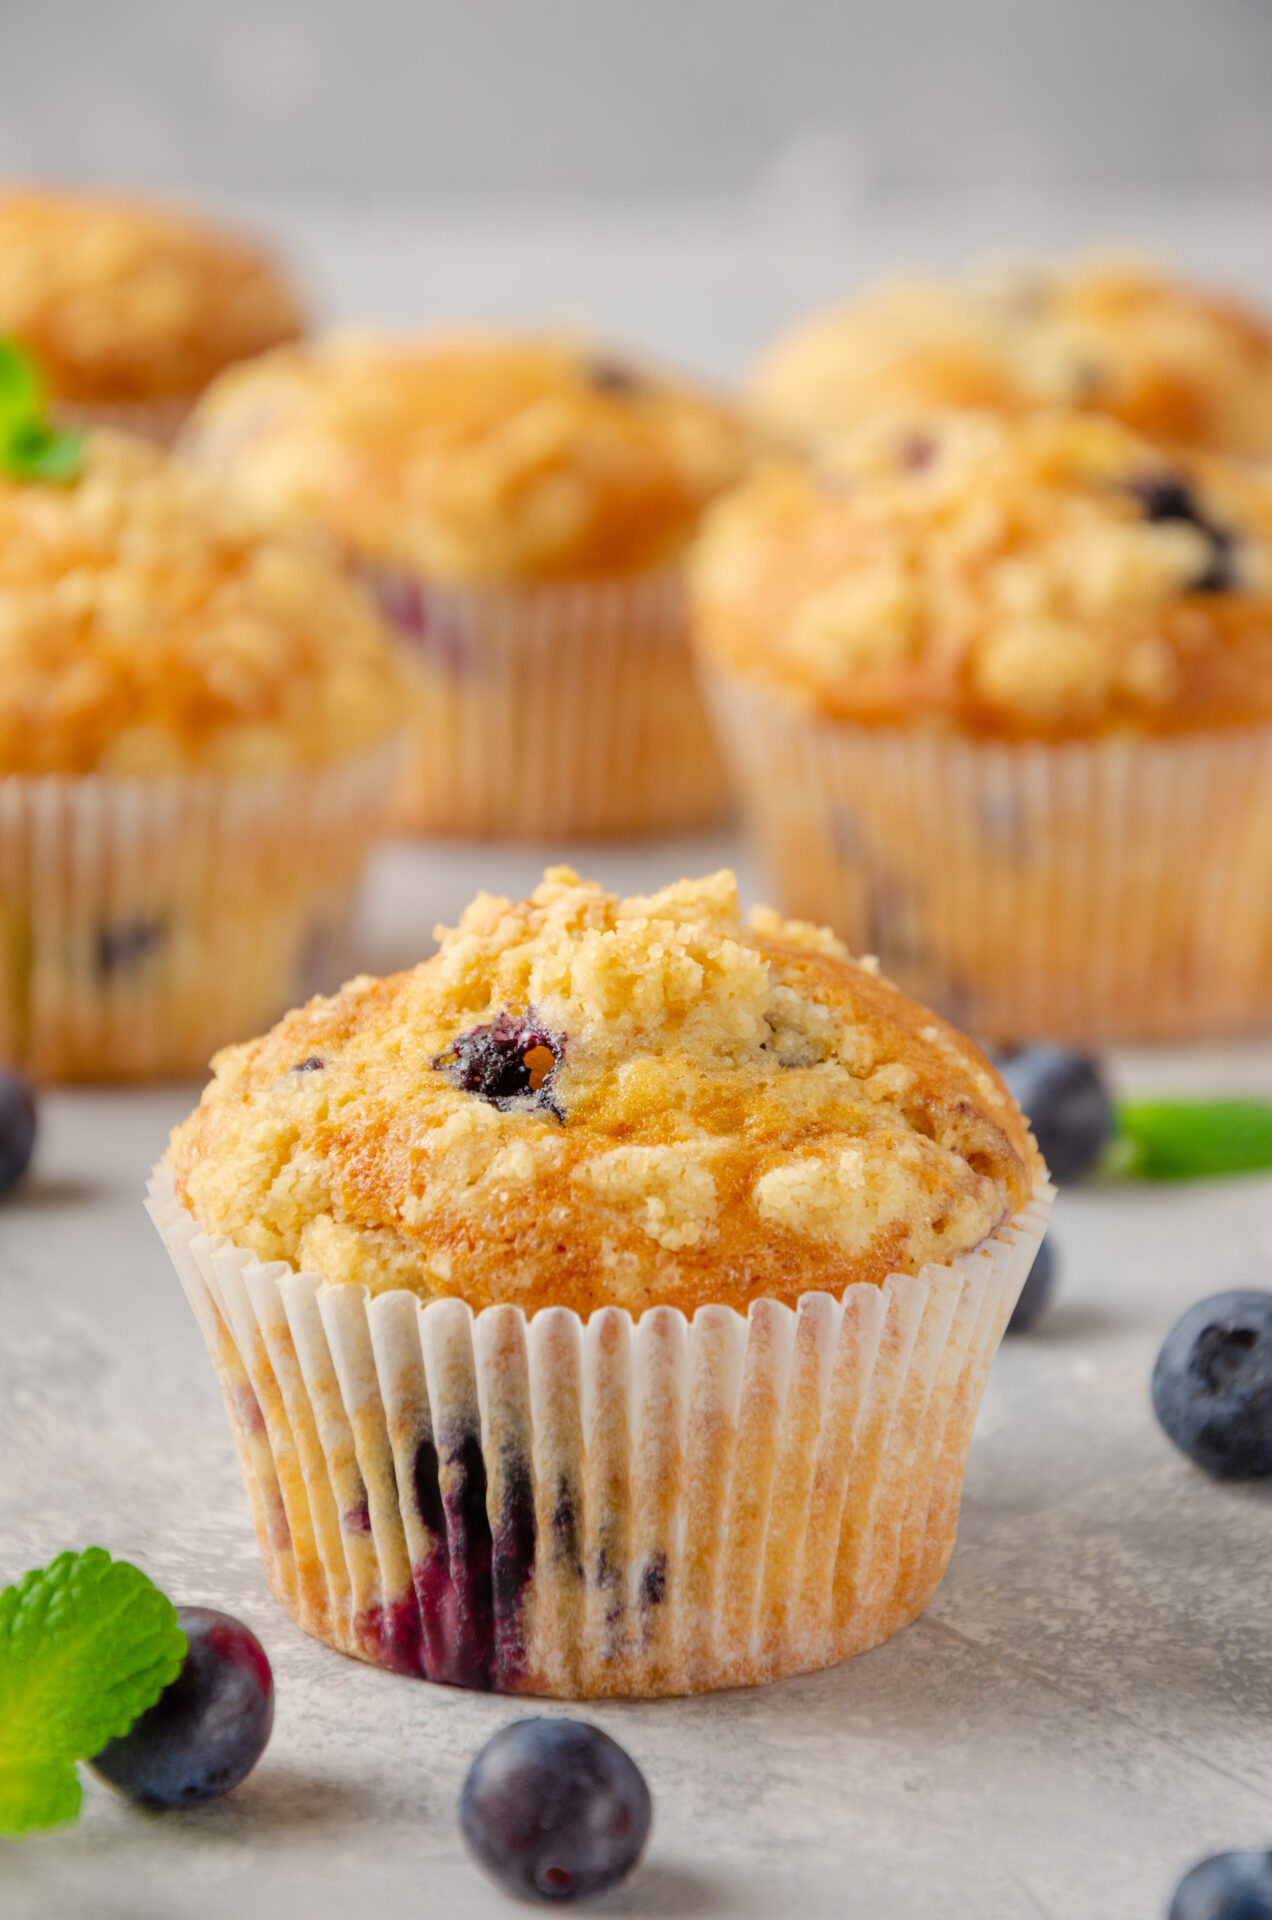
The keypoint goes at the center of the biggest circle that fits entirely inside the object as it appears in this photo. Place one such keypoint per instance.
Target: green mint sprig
(31, 448)
(1189, 1139)
(87, 1644)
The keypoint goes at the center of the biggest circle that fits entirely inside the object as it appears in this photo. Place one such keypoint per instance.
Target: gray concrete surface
(1085, 1710)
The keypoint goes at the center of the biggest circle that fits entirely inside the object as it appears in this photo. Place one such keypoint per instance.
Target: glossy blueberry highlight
(17, 1130)
(1228, 1886)
(554, 1810)
(206, 1732)
(1063, 1096)
(1212, 1385)
(1035, 1295)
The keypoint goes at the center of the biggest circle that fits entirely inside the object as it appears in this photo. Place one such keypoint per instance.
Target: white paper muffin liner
(145, 923)
(548, 711)
(579, 1508)
(1116, 889)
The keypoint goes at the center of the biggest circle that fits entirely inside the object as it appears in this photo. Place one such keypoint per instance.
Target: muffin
(195, 747)
(998, 696)
(602, 1306)
(520, 505)
(131, 308)
(1176, 363)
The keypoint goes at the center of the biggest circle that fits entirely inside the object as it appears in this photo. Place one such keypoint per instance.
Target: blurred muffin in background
(520, 505)
(998, 697)
(1177, 363)
(131, 308)
(195, 727)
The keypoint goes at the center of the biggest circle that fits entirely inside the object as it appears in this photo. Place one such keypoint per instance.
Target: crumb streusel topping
(149, 624)
(582, 1100)
(471, 457)
(1042, 577)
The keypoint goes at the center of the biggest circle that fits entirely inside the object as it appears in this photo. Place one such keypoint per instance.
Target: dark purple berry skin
(1166, 497)
(1228, 1886)
(17, 1130)
(1063, 1096)
(207, 1730)
(1035, 1295)
(1212, 1385)
(554, 1810)
(511, 1062)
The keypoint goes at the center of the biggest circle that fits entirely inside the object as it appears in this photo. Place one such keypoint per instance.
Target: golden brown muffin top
(1173, 361)
(1044, 577)
(475, 457)
(582, 1100)
(120, 299)
(148, 625)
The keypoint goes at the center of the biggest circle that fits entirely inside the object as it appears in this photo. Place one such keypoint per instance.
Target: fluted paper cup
(1113, 889)
(550, 711)
(605, 1506)
(145, 923)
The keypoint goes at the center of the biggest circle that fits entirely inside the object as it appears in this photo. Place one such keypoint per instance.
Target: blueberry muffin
(131, 308)
(1177, 363)
(602, 1306)
(521, 506)
(999, 695)
(195, 717)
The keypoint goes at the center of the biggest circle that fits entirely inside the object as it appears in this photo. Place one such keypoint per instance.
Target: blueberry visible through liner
(511, 1062)
(207, 1730)
(554, 1809)
(1227, 1886)
(1035, 1295)
(17, 1129)
(1064, 1098)
(123, 947)
(1166, 497)
(1212, 1385)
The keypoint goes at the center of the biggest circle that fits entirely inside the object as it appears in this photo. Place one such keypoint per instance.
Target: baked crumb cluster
(1037, 577)
(1171, 360)
(475, 458)
(148, 624)
(124, 300)
(583, 1100)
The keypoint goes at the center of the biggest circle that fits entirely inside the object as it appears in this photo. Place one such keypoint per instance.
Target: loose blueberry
(1212, 1385)
(511, 1062)
(17, 1129)
(207, 1730)
(1035, 1295)
(1063, 1096)
(1228, 1886)
(555, 1809)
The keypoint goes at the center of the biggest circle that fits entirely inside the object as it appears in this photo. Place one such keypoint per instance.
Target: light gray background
(578, 98)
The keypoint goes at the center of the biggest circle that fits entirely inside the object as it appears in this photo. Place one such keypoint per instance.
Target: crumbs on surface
(1043, 577)
(476, 457)
(148, 624)
(123, 299)
(740, 1110)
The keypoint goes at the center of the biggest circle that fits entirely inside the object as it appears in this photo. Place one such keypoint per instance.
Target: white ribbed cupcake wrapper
(571, 1507)
(1115, 889)
(548, 711)
(144, 923)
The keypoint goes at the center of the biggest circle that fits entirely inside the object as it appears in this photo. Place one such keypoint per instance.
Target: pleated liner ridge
(601, 1507)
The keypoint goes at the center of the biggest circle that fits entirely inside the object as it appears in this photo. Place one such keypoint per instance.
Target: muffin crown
(582, 1100)
(1043, 577)
(148, 624)
(472, 458)
(122, 300)
(1171, 360)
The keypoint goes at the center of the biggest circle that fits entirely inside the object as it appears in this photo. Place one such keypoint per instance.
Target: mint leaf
(87, 1644)
(1191, 1139)
(31, 448)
